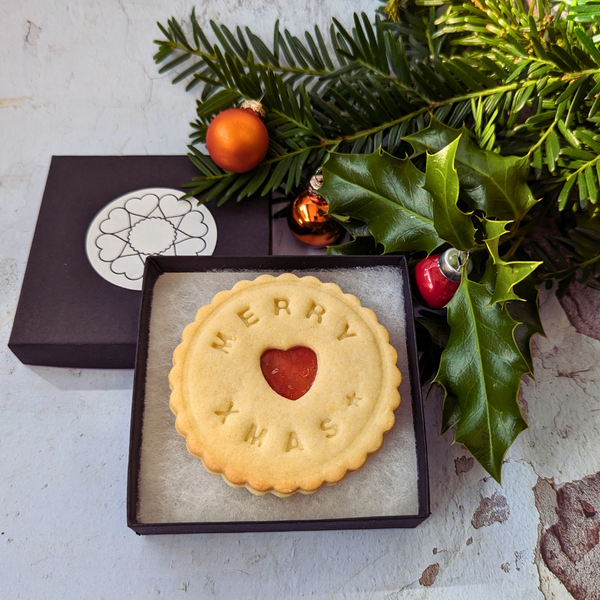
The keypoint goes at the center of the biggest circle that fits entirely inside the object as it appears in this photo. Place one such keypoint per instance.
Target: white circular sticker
(144, 223)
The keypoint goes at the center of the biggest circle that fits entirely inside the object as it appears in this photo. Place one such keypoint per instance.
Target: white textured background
(78, 78)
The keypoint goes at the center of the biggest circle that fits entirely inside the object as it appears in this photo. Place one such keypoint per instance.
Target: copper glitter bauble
(309, 220)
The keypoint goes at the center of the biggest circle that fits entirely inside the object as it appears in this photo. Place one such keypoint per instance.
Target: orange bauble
(237, 140)
(309, 219)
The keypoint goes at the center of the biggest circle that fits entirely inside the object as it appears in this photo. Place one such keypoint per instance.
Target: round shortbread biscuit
(246, 432)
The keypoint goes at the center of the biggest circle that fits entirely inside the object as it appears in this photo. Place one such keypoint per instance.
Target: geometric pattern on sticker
(146, 223)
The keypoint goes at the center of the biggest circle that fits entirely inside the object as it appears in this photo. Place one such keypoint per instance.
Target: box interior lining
(174, 487)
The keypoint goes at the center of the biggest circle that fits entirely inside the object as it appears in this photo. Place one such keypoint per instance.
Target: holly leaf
(489, 275)
(450, 413)
(527, 313)
(495, 229)
(354, 227)
(526, 309)
(494, 184)
(434, 137)
(386, 193)
(441, 181)
(361, 245)
(528, 316)
(482, 367)
(508, 274)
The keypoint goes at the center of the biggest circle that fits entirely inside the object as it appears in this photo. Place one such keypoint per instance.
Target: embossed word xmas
(256, 435)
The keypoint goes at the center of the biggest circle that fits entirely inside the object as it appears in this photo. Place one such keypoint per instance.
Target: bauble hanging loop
(237, 139)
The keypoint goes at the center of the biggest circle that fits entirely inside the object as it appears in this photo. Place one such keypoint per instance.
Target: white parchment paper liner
(174, 487)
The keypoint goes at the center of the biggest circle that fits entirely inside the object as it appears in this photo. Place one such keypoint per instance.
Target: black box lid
(68, 316)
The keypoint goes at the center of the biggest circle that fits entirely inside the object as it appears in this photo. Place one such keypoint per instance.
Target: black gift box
(68, 316)
(155, 267)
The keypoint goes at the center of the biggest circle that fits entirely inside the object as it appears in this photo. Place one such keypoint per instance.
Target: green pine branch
(526, 83)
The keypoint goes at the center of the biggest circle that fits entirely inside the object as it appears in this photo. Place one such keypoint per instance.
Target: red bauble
(237, 139)
(435, 289)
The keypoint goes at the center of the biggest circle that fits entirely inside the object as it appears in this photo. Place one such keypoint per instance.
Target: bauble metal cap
(451, 263)
(256, 106)
(316, 181)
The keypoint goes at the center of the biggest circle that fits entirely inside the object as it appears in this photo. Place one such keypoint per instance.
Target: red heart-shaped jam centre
(291, 372)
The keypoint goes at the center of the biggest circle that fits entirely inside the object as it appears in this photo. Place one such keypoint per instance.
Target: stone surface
(78, 78)
(569, 544)
(491, 510)
(582, 305)
(429, 575)
(463, 464)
